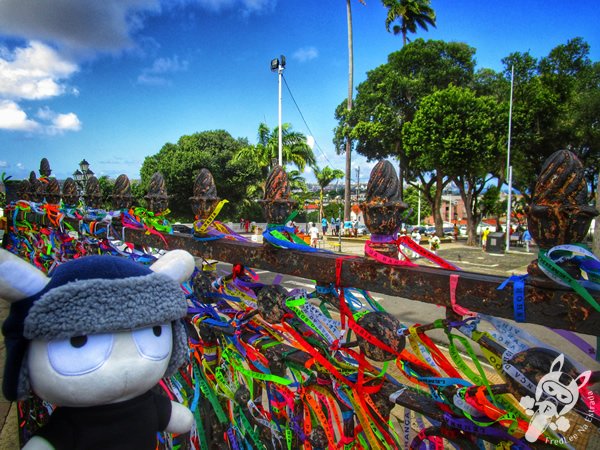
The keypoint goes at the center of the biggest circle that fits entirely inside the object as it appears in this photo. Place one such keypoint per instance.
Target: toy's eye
(154, 342)
(80, 354)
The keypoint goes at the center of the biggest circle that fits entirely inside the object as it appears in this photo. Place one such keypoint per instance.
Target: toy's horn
(176, 264)
(18, 278)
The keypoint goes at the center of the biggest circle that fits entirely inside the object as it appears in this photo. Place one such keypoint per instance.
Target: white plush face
(99, 369)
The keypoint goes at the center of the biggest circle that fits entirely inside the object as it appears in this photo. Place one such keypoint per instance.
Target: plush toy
(93, 339)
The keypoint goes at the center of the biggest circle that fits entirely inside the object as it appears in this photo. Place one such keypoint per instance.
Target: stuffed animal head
(100, 330)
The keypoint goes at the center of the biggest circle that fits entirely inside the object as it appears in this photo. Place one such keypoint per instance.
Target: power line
(304, 120)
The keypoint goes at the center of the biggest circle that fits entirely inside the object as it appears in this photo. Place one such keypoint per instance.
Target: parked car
(362, 230)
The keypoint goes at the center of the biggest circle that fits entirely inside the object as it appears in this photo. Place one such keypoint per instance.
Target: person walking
(434, 243)
(416, 236)
(324, 224)
(527, 239)
(484, 237)
(313, 232)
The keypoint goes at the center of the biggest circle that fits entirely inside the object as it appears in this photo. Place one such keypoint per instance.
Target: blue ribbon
(518, 282)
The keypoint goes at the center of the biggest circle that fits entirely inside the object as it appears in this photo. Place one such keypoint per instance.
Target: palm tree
(411, 14)
(295, 149)
(324, 178)
(349, 105)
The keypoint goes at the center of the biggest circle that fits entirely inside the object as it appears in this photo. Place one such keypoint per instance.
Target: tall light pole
(508, 166)
(357, 183)
(419, 206)
(277, 65)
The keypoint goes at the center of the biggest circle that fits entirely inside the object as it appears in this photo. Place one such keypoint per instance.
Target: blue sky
(113, 81)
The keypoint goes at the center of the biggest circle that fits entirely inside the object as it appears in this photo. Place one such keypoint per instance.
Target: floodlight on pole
(508, 166)
(277, 65)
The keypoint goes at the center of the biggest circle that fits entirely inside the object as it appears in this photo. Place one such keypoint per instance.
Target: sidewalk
(470, 259)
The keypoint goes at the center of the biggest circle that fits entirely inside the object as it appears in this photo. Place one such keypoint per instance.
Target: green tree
(295, 150)
(411, 14)
(299, 189)
(553, 109)
(390, 95)
(106, 188)
(455, 137)
(324, 178)
(214, 150)
(411, 197)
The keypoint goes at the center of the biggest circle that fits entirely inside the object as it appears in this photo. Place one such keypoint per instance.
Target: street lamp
(82, 175)
(277, 65)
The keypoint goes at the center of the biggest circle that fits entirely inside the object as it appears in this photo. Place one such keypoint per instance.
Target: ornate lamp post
(82, 175)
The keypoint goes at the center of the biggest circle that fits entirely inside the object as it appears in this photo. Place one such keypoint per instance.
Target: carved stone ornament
(205, 197)
(52, 191)
(559, 212)
(36, 189)
(157, 197)
(277, 204)
(93, 195)
(383, 207)
(16, 190)
(384, 327)
(121, 196)
(70, 193)
(45, 170)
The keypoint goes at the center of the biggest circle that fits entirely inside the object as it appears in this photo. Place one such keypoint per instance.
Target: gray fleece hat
(97, 294)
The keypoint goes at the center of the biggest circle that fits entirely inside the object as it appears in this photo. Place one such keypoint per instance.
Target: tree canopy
(454, 137)
(214, 150)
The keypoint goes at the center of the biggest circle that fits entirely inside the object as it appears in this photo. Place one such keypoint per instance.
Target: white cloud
(246, 6)
(12, 117)
(58, 123)
(259, 5)
(80, 26)
(4, 164)
(161, 67)
(33, 72)
(305, 54)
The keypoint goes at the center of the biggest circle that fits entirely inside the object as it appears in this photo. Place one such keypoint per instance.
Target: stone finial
(277, 204)
(45, 170)
(157, 197)
(93, 195)
(384, 327)
(52, 191)
(559, 212)
(70, 193)
(205, 195)
(23, 191)
(36, 189)
(383, 206)
(121, 196)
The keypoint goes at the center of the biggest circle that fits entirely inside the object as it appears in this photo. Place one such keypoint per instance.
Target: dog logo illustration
(553, 399)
